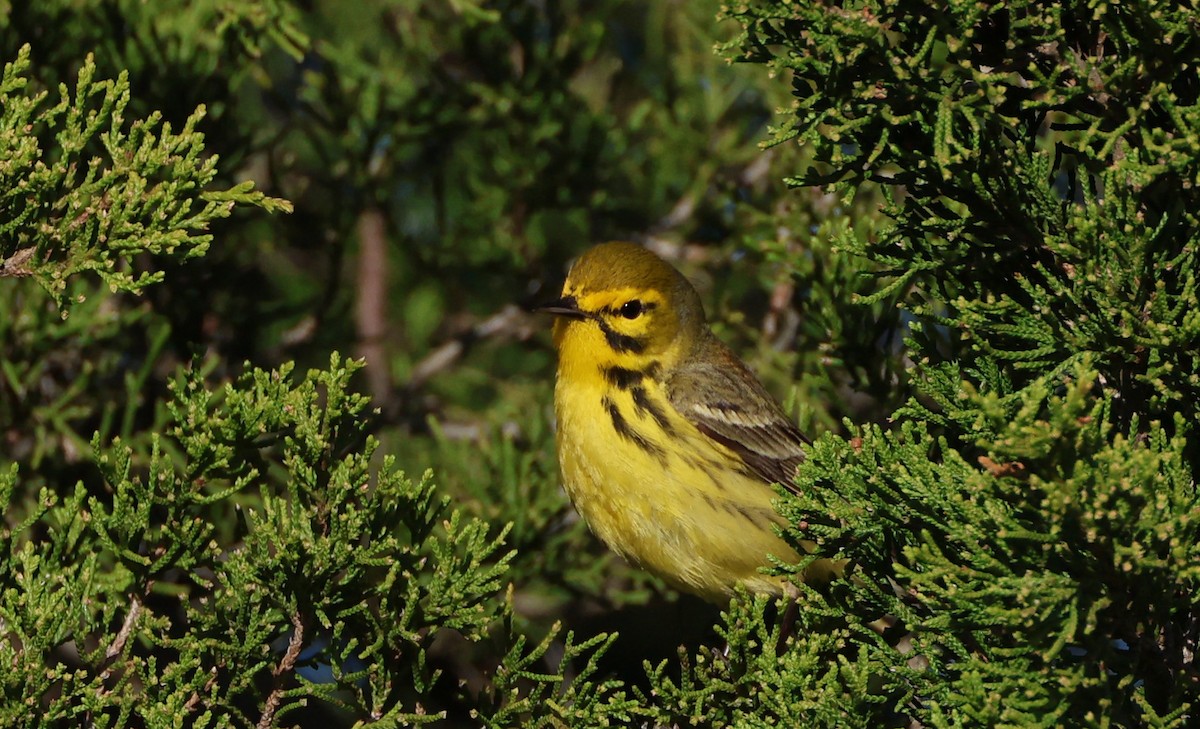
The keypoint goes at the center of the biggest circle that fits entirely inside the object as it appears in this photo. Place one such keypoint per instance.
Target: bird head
(622, 304)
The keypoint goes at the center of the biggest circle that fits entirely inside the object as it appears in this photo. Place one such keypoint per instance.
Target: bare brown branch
(18, 263)
(197, 696)
(117, 647)
(118, 644)
(509, 321)
(281, 672)
(370, 306)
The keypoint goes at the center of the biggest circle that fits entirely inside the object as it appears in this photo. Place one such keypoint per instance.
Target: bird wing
(726, 402)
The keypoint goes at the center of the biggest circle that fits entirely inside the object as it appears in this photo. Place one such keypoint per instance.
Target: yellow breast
(661, 493)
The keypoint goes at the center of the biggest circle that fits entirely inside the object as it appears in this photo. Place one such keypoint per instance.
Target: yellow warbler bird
(668, 444)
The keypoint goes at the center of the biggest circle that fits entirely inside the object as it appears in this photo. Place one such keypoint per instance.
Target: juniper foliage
(334, 585)
(1029, 520)
(118, 191)
(242, 560)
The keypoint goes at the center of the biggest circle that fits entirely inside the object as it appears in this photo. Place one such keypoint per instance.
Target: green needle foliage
(246, 558)
(117, 192)
(255, 564)
(980, 294)
(1026, 532)
(88, 191)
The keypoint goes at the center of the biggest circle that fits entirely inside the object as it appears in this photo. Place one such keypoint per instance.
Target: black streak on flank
(644, 404)
(628, 433)
(709, 469)
(755, 516)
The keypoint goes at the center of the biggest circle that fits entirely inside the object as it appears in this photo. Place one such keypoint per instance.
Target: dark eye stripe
(621, 342)
(616, 310)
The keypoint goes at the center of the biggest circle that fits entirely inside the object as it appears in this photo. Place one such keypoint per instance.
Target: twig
(194, 700)
(758, 169)
(18, 263)
(118, 644)
(509, 321)
(286, 664)
(117, 647)
(774, 319)
(680, 213)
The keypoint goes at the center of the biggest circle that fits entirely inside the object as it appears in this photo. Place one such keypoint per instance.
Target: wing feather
(725, 401)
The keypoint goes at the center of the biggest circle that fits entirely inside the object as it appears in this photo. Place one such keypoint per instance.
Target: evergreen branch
(122, 189)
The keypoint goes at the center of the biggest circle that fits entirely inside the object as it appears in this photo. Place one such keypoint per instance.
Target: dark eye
(632, 309)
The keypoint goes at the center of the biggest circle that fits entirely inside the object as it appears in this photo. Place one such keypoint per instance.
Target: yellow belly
(682, 507)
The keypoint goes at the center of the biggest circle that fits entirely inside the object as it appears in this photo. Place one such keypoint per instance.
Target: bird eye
(632, 309)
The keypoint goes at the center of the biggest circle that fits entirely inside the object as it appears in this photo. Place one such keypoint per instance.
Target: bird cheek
(661, 334)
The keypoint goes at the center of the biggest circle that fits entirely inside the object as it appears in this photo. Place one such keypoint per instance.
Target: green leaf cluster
(1023, 533)
(116, 192)
(259, 547)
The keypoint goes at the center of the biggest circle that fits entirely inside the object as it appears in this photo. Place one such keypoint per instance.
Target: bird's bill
(565, 306)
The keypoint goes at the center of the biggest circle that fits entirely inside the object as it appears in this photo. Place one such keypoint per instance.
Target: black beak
(566, 306)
